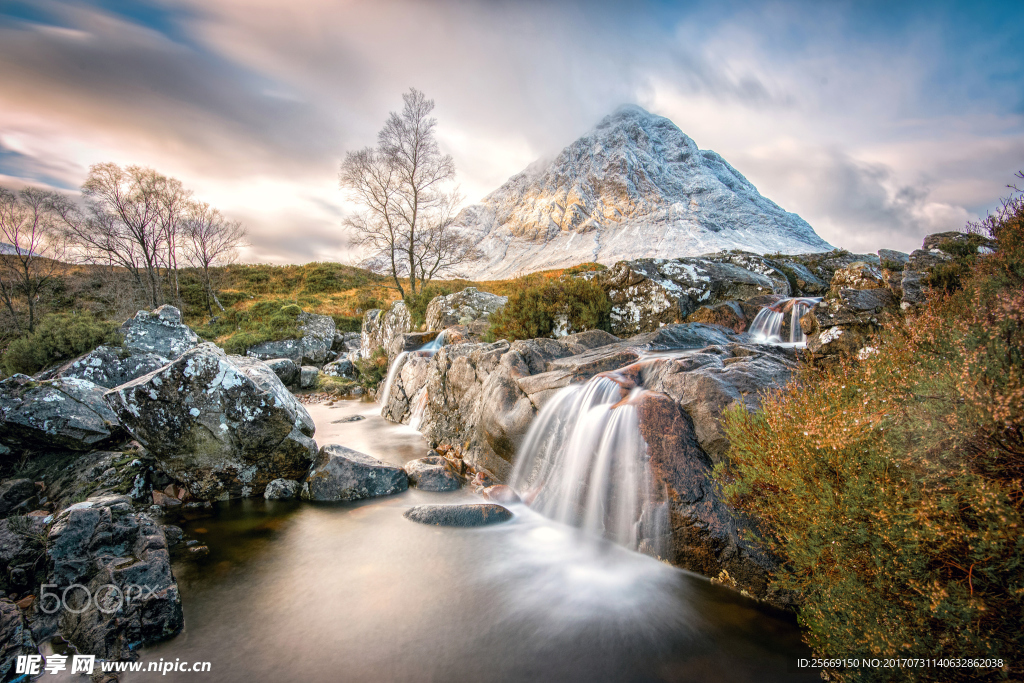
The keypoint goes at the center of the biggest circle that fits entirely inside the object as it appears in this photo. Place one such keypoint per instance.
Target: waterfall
(429, 349)
(392, 373)
(769, 322)
(584, 463)
(436, 344)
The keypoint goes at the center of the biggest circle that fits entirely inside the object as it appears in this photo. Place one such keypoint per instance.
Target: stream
(292, 591)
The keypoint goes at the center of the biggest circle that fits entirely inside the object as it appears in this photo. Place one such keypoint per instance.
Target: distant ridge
(635, 186)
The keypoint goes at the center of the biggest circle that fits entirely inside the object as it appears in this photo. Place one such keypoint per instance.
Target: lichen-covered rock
(282, 489)
(340, 368)
(286, 370)
(463, 515)
(432, 473)
(649, 293)
(857, 275)
(313, 348)
(14, 492)
(381, 327)
(341, 473)
(727, 314)
(108, 366)
(103, 542)
(307, 376)
(55, 414)
(224, 426)
(462, 308)
(159, 332)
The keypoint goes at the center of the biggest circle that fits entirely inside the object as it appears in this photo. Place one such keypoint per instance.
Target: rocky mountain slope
(634, 187)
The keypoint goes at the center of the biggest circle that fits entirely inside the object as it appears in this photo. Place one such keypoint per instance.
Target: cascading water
(769, 322)
(584, 463)
(429, 349)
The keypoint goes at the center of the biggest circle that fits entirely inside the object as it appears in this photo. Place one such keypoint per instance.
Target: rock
(802, 282)
(432, 473)
(99, 542)
(462, 308)
(341, 473)
(21, 547)
(727, 314)
(313, 348)
(501, 494)
(350, 418)
(15, 640)
(159, 332)
(224, 426)
(173, 534)
(282, 489)
(59, 413)
(14, 492)
(108, 366)
(411, 341)
(464, 515)
(857, 275)
(890, 259)
(380, 328)
(340, 368)
(307, 376)
(286, 370)
(649, 293)
(164, 500)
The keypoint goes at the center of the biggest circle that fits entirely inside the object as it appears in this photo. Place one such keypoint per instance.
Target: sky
(877, 122)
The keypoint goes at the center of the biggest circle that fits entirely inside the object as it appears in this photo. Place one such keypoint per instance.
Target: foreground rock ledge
(470, 514)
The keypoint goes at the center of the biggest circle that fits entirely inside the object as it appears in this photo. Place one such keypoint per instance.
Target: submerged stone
(469, 514)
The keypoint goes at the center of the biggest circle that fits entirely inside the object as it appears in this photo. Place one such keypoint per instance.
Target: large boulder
(159, 332)
(55, 414)
(381, 327)
(103, 542)
(286, 370)
(341, 368)
(842, 323)
(313, 348)
(462, 308)
(224, 426)
(649, 293)
(108, 366)
(341, 473)
(432, 473)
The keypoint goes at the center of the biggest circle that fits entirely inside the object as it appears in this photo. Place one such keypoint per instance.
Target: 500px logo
(108, 598)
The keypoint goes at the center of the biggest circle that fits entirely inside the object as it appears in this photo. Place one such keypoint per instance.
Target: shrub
(348, 323)
(235, 331)
(535, 310)
(417, 303)
(585, 268)
(58, 337)
(890, 487)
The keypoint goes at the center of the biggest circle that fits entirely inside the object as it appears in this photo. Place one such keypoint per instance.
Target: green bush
(890, 486)
(417, 303)
(58, 337)
(534, 310)
(373, 370)
(348, 323)
(272, 320)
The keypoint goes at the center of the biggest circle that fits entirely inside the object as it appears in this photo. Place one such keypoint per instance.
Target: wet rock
(282, 489)
(501, 494)
(59, 413)
(108, 366)
(173, 534)
(705, 536)
(15, 492)
(465, 515)
(224, 426)
(380, 328)
(462, 308)
(286, 370)
(101, 542)
(341, 473)
(727, 314)
(649, 293)
(432, 473)
(307, 376)
(165, 501)
(159, 332)
(411, 341)
(350, 418)
(340, 368)
(313, 348)
(15, 640)
(199, 550)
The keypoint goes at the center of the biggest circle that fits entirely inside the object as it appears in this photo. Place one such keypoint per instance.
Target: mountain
(635, 186)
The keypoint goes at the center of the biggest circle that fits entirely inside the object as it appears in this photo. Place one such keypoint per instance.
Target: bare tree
(210, 240)
(33, 255)
(122, 223)
(174, 205)
(403, 187)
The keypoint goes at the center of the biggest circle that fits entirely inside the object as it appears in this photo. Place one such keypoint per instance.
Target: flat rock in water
(470, 514)
(341, 473)
(350, 418)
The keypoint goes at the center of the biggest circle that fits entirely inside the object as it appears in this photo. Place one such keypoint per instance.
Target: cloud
(872, 124)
